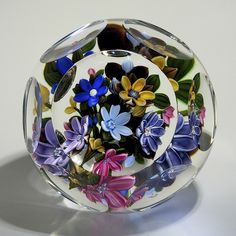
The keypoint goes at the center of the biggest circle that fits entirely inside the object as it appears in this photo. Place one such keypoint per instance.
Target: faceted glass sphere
(119, 115)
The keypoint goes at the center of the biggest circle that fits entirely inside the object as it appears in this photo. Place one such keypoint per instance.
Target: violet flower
(114, 122)
(195, 123)
(108, 190)
(177, 152)
(75, 138)
(111, 161)
(149, 132)
(51, 155)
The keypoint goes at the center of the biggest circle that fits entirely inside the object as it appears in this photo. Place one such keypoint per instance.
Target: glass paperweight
(119, 115)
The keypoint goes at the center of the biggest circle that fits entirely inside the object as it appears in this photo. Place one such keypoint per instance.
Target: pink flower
(91, 71)
(108, 190)
(202, 114)
(136, 195)
(168, 114)
(111, 161)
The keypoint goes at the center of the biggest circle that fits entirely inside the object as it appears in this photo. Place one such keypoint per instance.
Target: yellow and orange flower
(134, 92)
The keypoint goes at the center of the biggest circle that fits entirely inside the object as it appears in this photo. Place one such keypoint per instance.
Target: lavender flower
(149, 132)
(75, 138)
(114, 122)
(51, 155)
(195, 123)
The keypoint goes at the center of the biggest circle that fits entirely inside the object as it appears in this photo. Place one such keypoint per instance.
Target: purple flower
(149, 132)
(91, 92)
(109, 189)
(177, 153)
(51, 155)
(75, 138)
(114, 122)
(195, 123)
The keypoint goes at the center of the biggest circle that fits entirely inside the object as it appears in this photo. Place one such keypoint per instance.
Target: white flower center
(147, 131)
(93, 92)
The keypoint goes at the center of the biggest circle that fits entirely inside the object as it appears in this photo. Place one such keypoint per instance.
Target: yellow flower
(45, 99)
(72, 107)
(134, 92)
(96, 144)
(169, 71)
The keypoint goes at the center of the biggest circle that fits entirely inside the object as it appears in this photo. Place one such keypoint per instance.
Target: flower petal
(119, 157)
(63, 65)
(121, 182)
(147, 95)
(123, 118)
(183, 143)
(115, 134)
(139, 84)
(92, 101)
(104, 113)
(174, 84)
(101, 168)
(115, 199)
(159, 61)
(70, 135)
(180, 123)
(50, 134)
(152, 143)
(157, 131)
(125, 83)
(81, 97)
(104, 127)
(98, 82)
(127, 65)
(124, 130)
(114, 111)
(110, 152)
(102, 90)
(115, 166)
(129, 161)
(140, 102)
(124, 95)
(69, 110)
(85, 85)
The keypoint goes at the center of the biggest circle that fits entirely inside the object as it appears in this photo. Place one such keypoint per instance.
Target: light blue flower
(127, 65)
(114, 122)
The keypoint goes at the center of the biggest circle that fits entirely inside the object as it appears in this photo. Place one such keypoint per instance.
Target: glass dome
(119, 115)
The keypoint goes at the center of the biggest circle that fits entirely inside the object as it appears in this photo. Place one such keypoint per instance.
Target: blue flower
(114, 122)
(93, 120)
(177, 153)
(127, 65)
(195, 123)
(63, 65)
(149, 132)
(91, 93)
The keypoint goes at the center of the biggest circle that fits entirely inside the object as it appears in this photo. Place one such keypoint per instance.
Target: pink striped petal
(101, 168)
(121, 183)
(115, 166)
(119, 157)
(110, 153)
(115, 199)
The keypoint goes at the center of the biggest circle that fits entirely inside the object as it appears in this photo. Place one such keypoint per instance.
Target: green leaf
(99, 72)
(89, 46)
(183, 65)
(161, 100)
(77, 55)
(183, 92)
(51, 73)
(106, 136)
(139, 158)
(153, 80)
(197, 82)
(199, 100)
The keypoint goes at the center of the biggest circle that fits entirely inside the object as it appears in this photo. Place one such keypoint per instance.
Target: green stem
(184, 112)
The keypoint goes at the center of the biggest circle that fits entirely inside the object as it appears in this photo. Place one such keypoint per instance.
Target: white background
(27, 29)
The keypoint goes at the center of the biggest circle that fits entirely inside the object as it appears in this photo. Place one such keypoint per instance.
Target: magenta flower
(136, 195)
(108, 190)
(168, 114)
(202, 114)
(111, 161)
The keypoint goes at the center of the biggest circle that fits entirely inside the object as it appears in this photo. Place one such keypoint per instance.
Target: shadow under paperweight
(119, 115)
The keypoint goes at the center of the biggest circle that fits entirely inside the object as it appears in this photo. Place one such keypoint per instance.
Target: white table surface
(206, 207)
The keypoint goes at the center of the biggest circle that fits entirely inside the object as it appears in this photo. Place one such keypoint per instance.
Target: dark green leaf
(161, 100)
(197, 82)
(153, 80)
(89, 46)
(183, 92)
(139, 158)
(51, 73)
(99, 72)
(199, 100)
(77, 55)
(183, 65)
